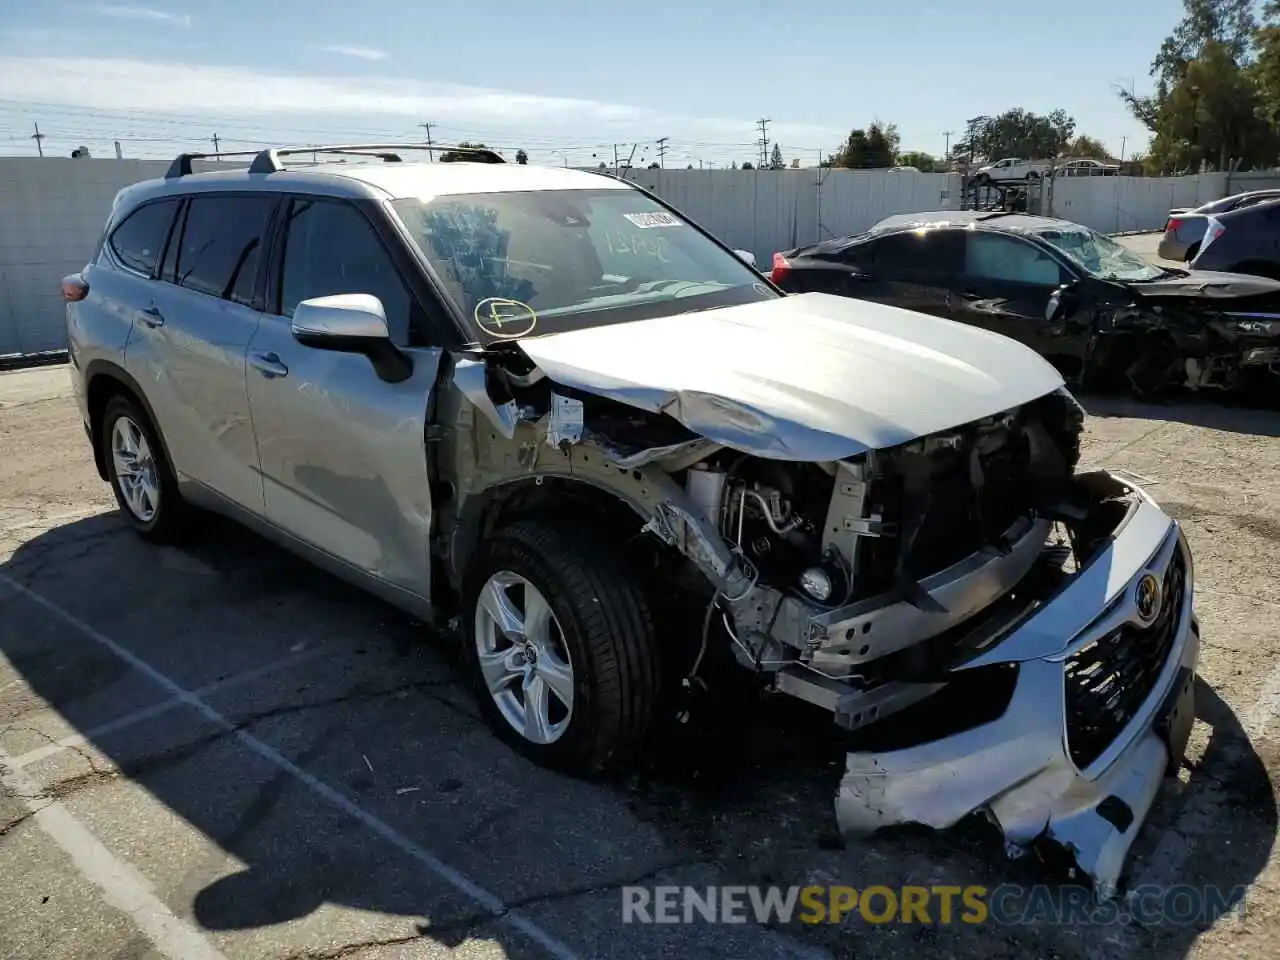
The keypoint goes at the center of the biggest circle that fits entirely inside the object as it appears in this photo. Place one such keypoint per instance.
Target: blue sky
(564, 79)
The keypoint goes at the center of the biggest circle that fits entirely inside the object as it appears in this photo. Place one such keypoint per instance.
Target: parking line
(156, 709)
(121, 885)
(455, 878)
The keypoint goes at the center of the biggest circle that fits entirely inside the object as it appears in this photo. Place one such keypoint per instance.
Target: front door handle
(268, 364)
(152, 317)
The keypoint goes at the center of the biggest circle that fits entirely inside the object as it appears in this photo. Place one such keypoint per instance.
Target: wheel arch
(544, 498)
(104, 380)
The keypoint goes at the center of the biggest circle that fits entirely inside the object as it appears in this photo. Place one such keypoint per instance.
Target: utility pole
(946, 149)
(1123, 142)
(662, 152)
(426, 125)
(214, 138)
(763, 124)
(38, 137)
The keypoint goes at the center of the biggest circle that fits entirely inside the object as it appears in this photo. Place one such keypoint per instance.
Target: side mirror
(352, 323)
(1062, 303)
(747, 257)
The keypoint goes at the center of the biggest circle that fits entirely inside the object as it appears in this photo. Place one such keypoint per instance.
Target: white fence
(52, 211)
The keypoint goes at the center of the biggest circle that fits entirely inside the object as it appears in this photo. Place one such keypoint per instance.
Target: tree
(1217, 89)
(451, 155)
(872, 148)
(748, 166)
(775, 159)
(1085, 146)
(921, 161)
(655, 165)
(1015, 133)
(521, 156)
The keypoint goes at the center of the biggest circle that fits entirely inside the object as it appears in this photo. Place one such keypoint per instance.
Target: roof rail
(181, 165)
(269, 160)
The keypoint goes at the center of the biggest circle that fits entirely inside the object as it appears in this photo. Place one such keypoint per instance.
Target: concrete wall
(52, 211)
(1126, 204)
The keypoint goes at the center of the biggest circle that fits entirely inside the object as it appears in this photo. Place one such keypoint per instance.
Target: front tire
(140, 475)
(560, 649)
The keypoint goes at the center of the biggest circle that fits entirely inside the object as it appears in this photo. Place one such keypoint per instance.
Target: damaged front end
(1224, 340)
(1085, 705)
(995, 632)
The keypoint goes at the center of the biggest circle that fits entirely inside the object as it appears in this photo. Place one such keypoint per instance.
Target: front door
(344, 461)
(188, 344)
(1005, 286)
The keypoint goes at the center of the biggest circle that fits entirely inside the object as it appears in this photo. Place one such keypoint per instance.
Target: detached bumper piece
(1100, 712)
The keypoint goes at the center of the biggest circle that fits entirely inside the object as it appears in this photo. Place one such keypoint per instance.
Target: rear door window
(139, 239)
(928, 256)
(220, 245)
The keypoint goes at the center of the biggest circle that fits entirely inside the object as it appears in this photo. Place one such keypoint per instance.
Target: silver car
(1185, 228)
(543, 406)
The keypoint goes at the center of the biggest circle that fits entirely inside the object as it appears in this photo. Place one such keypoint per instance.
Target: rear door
(189, 341)
(344, 460)
(1005, 285)
(913, 270)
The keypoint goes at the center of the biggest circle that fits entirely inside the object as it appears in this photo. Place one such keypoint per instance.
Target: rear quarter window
(140, 238)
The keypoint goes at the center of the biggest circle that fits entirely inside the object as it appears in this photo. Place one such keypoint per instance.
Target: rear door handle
(268, 364)
(152, 317)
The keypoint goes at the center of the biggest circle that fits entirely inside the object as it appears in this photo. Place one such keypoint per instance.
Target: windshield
(534, 262)
(1100, 255)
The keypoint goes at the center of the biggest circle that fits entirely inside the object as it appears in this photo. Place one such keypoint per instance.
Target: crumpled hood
(1208, 284)
(808, 377)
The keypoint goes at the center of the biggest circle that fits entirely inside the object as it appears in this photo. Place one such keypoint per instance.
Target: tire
(600, 626)
(159, 514)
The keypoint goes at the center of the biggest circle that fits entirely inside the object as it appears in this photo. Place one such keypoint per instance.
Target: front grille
(1108, 681)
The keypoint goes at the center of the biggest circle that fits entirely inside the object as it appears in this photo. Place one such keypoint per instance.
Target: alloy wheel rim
(523, 658)
(135, 468)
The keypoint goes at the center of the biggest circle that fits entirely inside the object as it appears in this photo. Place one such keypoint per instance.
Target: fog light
(816, 583)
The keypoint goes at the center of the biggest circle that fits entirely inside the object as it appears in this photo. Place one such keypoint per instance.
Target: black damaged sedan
(1104, 316)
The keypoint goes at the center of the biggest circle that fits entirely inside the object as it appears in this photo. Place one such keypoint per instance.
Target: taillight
(1174, 224)
(781, 267)
(74, 288)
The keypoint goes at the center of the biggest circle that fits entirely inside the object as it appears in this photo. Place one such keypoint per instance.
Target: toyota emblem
(1146, 597)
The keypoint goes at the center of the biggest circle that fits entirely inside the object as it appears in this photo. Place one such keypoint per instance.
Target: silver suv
(545, 407)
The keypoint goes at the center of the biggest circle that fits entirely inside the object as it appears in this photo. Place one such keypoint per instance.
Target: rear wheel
(560, 648)
(140, 476)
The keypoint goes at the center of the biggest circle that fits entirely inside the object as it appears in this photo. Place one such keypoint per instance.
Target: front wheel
(560, 648)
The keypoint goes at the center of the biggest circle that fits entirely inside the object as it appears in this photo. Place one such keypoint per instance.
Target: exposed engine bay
(932, 595)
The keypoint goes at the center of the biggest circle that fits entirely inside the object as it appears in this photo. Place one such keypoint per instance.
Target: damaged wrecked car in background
(543, 404)
(1104, 316)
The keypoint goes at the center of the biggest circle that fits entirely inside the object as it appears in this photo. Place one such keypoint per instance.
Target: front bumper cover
(1018, 768)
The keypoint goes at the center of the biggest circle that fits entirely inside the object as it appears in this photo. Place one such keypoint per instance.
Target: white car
(1086, 167)
(1012, 168)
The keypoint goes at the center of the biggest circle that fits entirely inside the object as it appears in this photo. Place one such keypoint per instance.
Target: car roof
(971, 219)
(379, 180)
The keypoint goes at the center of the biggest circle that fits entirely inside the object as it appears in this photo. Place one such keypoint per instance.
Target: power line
(763, 142)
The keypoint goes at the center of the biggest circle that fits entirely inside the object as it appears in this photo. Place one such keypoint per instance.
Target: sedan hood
(808, 377)
(1208, 284)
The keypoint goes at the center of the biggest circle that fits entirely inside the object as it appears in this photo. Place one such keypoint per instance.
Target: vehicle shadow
(746, 789)
(1232, 416)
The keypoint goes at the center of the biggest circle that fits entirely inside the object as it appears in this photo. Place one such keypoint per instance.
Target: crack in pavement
(171, 756)
(351, 949)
